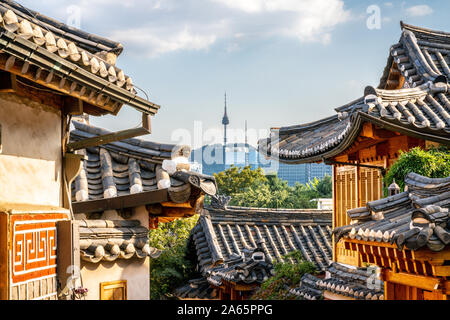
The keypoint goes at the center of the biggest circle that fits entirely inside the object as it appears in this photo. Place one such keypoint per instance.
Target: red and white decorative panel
(33, 255)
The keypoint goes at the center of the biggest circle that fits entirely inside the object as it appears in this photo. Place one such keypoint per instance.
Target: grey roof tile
(225, 239)
(426, 198)
(128, 166)
(109, 240)
(196, 289)
(357, 283)
(421, 55)
(423, 106)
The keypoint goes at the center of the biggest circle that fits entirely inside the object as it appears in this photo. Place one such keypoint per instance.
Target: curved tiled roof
(354, 283)
(109, 240)
(416, 218)
(221, 235)
(68, 43)
(242, 269)
(305, 141)
(78, 63)
(91, 42)
(421, 55)
(426, 107)
(127, 167)
(196, 289)
(423, 111)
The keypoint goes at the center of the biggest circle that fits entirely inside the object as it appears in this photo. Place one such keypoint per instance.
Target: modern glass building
(211, 159)
(215, 158)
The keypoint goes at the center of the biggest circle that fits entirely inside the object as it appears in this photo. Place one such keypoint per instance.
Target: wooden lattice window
(113, 290)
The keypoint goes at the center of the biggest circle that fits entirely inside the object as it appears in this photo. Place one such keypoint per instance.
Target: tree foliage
(171, 269)
(251, 188)
(433, 163)
(287, 275)
(325, 187)
(235, 179)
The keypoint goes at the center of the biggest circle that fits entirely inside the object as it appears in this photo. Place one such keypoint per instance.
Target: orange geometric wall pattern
(33, 246)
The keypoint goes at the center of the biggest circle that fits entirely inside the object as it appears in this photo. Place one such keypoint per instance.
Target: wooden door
(353, 188)
(114, 290)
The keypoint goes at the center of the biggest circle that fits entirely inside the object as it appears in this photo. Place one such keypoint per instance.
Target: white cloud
(197, 27)
(307, 20)
(157, 42)
(156, 27)
(419, 10)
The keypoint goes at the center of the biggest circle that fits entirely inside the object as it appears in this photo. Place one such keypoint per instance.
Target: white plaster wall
(135, 271)
(140, 213)
(30, 160)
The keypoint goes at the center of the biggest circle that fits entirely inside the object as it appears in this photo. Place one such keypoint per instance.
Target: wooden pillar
(358, 187)
(333, 174)
(389, 291)
(233, 294)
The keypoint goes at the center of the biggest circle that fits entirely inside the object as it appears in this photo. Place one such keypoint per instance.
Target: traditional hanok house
(234, 247)
(409, 108)
(407, 236)
(48, 72)
(120, 192)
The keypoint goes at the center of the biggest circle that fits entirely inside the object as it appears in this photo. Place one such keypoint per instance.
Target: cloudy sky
(281, 62)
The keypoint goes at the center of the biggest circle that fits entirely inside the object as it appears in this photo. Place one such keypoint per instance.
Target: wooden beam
(364, 144)
(177, 212)
(72, 105)
(380, 133)
(111, 137)
(442, 271)
(185, 205)
(422, 282)
(367, 130)
(72, 167)
(430, 256)
(41, 76)
(121, 202)
(8, 82)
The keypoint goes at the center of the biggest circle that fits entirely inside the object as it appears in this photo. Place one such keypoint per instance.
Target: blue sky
(282, 62)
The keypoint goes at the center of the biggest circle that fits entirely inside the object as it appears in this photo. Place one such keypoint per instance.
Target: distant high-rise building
(240, 155)
(218, 157)
(225, 122)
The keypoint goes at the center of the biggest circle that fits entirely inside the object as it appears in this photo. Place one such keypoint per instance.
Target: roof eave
(348, 140)
(344, 144)
(28, 51)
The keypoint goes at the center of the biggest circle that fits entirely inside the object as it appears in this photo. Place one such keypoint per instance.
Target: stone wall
(36, 289)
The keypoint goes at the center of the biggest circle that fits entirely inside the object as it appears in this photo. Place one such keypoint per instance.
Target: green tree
(236, 179)
(325, 187)
(171, 269)
(301, 196)
(287, 275)
(433, 163)
(251, 188)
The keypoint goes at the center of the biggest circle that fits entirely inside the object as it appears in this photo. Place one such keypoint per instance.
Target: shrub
(432, 163)
(287, 275)
(171, 269)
